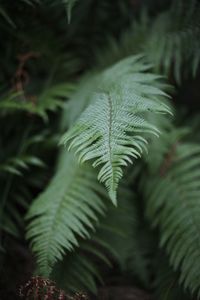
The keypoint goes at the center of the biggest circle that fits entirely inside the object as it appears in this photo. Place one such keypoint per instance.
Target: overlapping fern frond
(172, 198)
(166, 282)
(113, 118)
(78, 271)
(169, 35)
(66, 209)
(163, 40)
(110, 129)
(82, 268)
(19, 163)
(50, 99)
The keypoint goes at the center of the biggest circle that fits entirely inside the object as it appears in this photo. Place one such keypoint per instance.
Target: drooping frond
(170, 33)
(81, 269)
(110, 129)
(163, 40)
(19, 163)
(49, 100)
(172, 199)
(66, 209)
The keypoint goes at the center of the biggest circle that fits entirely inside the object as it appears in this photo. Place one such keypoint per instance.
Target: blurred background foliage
(51, 54)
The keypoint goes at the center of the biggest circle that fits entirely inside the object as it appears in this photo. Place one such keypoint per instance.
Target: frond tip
(110, 130)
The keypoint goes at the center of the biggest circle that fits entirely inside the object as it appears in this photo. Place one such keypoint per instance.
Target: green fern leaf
(166, 282)
(81, 269)
(163, 39)
(66, 209)
(171, 31)
(173, 205)
(50, 99)
(110, 130)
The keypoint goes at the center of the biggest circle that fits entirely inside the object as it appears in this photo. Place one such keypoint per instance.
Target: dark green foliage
(173, 205)
(82, 270)
(167, 282)
(67, 207)
(102, 77)
(167, 40)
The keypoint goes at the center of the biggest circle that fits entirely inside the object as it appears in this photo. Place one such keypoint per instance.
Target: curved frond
(50, 99)
(170, 41)
(170, 33)
(81, 269)
(110, 130)
(66, 209)
(173, 206)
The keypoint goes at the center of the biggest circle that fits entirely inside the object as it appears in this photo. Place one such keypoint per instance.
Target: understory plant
(100, 145)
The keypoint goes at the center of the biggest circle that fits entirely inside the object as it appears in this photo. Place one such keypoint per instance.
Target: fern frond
(66, 209)
(173, 206)
(169, 35)
(11, 103)
(81, 269)
(163, 40)
(49, 100)
(166, 281)
(139, 257)
(110, 130)
(19, 163)
(16, 165)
